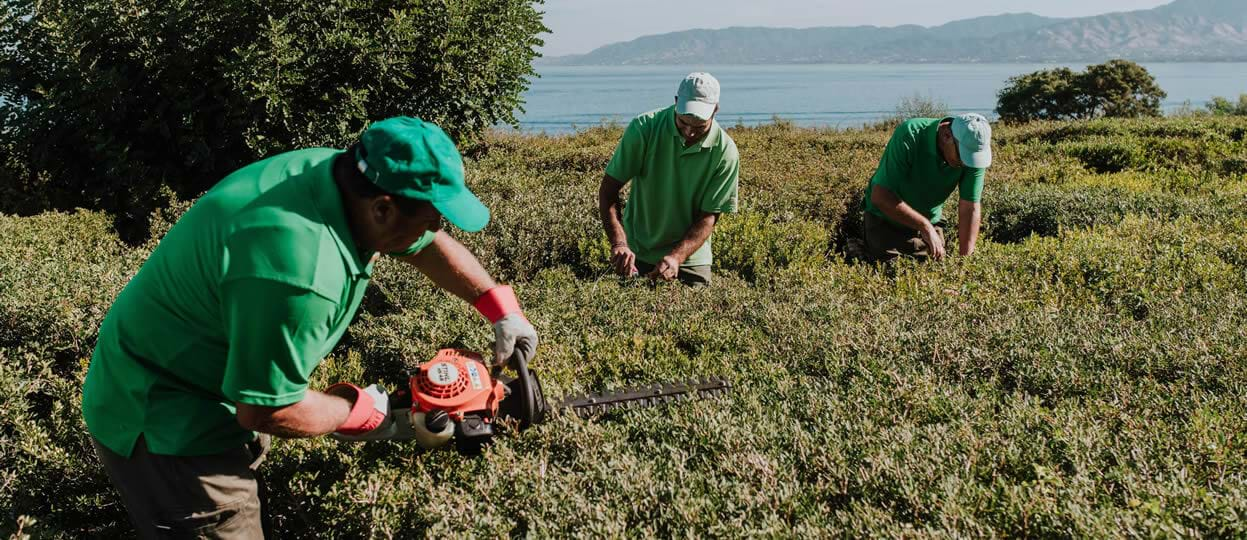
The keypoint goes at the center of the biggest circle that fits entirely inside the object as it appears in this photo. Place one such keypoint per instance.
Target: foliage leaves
(1080, 376)
(110, 104)
(1115, 89)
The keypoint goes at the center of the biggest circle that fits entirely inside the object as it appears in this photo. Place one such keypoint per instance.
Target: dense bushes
(106, 102)
(1017, 212)
(1086, 381)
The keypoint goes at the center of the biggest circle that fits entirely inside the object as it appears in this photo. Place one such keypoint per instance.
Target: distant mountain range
(1185, 30)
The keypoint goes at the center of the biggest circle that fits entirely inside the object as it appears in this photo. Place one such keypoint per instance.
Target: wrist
(497, 303)
(363, 416)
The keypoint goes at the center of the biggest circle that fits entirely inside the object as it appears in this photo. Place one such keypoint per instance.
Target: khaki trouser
(885, 241)
(693, 276)
(213, 496)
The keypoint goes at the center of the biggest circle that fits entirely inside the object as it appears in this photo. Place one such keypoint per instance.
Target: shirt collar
(711, 138)
(328, 201)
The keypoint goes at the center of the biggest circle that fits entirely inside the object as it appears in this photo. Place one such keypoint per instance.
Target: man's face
(692, 128)
(948, 146)
(395, 231)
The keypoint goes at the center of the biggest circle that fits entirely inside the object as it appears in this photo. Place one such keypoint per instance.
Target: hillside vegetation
(1083, 375)
(1181, 31)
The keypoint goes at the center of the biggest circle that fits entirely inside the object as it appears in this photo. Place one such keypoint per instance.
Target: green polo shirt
(239, 303)
(912, 168)
(671, 183)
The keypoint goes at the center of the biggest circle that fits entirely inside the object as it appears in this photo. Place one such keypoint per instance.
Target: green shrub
(1220, 106)
(1083, 382)
(1106, 156)
(915, 106)
(1013, 213)
(110, 101)
(750, 245)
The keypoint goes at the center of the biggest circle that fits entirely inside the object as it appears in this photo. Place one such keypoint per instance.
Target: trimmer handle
(527, 402)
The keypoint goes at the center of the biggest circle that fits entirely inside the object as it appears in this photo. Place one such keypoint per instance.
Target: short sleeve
(277, 334)
(626, 162)
(415, 248)
(896, 161)
(971, 187)
(720, 194)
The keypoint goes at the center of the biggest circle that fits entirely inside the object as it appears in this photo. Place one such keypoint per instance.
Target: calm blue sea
(566, 97)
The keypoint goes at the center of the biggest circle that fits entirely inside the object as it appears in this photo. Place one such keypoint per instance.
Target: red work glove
(370, 418)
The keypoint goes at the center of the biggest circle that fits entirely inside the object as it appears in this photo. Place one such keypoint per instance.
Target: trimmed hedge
(1084, 381)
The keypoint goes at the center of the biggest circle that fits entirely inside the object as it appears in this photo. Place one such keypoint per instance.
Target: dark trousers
(885, 241)
(213, 496)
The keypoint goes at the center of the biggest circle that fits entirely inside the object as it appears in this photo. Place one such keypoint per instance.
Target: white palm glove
(513, 334)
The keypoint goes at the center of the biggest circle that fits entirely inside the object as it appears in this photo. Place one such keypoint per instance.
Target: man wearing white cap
(683, 168)
(926, 159)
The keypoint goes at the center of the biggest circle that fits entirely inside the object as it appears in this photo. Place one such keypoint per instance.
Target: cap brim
(699, 109)
(464, 211)
(978, 160)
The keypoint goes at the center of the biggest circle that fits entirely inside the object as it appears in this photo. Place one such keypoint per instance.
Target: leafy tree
(1047, 94)
(1118, 88)
(111, 103)
(1220, 106)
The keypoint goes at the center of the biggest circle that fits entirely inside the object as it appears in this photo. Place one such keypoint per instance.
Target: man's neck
(350, 209)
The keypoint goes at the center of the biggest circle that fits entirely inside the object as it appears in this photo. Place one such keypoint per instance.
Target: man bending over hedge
(683, 167)
(924, 162)
(216, 337)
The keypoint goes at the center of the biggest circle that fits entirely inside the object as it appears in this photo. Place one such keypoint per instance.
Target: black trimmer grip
(527, 402)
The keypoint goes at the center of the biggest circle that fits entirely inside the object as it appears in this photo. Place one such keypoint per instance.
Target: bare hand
(623, 260)
(666, 270)
(935, 244)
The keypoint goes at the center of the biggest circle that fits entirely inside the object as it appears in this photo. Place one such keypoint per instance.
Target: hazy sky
(579, 26)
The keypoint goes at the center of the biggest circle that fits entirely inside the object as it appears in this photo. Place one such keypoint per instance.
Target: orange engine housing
(456, 381)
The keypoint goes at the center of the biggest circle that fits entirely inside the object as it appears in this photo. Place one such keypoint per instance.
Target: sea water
(565, 98)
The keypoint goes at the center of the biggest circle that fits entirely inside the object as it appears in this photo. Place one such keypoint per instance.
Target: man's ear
(383, 210)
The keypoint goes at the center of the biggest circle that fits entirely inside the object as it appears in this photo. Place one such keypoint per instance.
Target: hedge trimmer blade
(590, 405)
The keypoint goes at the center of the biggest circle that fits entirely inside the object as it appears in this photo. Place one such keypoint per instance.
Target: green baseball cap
(415, 159)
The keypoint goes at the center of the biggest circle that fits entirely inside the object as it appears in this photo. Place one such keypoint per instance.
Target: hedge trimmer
(454, 396)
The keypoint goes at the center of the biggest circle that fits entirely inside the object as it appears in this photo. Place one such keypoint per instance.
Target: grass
(1083, 375)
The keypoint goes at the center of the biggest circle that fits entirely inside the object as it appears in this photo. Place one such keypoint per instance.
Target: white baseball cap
(698, 95)
(974, 140)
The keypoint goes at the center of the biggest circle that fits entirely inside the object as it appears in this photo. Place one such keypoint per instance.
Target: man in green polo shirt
(683, 168)
(217, 335)
(926, 159)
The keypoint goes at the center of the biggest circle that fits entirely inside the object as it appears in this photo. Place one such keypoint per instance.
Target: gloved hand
(513, 334)
(370, 418)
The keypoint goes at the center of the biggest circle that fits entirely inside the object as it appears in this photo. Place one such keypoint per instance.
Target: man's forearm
(969, 218)
(695, 237)
(892, 206)
(316, 414)
(608, 211)
(452, 267)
